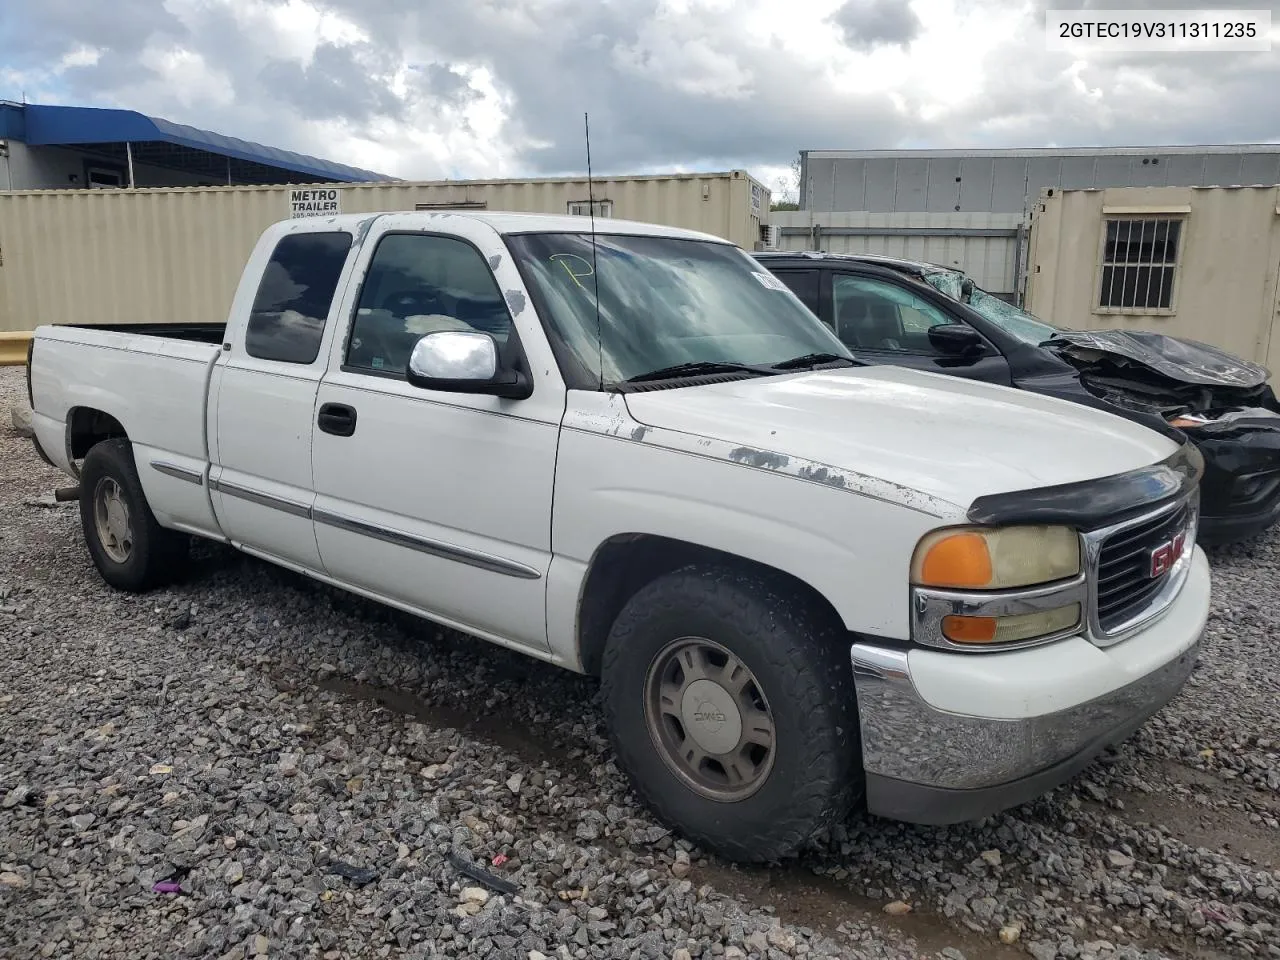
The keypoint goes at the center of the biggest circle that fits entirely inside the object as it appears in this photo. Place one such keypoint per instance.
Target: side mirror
(462, 362)
(957, 340)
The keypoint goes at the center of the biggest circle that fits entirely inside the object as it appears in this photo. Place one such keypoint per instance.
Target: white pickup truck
(805, 583)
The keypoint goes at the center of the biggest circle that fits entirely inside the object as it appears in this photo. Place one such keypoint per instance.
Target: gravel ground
(309, 770)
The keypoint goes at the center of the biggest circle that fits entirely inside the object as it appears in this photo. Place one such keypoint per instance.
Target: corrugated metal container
(983, 245)
(1009, 181)
(152, 256)
(1223, 268)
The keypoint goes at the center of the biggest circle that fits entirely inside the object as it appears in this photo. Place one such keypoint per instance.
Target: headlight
(996, 558)
(976, 588)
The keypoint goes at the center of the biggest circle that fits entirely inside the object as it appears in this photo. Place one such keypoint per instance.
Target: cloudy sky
(480, 88)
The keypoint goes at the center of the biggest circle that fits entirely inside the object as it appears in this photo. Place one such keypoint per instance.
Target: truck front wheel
(130, 549)
(730, 702)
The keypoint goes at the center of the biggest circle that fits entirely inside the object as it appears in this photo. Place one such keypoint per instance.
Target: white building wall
(983, 245)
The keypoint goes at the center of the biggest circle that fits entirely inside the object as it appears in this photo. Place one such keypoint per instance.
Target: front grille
(1125, 587)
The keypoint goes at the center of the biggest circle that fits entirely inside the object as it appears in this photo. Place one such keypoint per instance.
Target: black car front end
(1189, 391)
(1192, 392)
(1240, 489)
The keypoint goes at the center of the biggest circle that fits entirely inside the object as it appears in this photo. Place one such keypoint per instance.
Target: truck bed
(152, 380)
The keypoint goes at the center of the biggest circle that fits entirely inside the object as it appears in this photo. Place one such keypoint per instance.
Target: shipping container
(1010, 180)
(983, 245)
(1195, 262)
(158, 255)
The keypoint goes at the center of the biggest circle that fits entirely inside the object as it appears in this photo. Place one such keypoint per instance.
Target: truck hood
(947, 438)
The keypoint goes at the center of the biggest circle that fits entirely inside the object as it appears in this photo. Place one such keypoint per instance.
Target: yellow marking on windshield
(563, 258)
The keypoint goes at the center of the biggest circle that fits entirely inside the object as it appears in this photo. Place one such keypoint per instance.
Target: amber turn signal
(958, 560)
(960, 629)
(1013, 629)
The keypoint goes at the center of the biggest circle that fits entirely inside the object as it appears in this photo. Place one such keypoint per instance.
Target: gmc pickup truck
(805, 583)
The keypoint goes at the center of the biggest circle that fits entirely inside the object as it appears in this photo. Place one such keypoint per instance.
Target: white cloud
(431, 88)
(665, 56)
(185, 76)
(470, 138)
(80, 57)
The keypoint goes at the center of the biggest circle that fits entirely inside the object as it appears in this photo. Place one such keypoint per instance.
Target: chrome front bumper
(927, 765)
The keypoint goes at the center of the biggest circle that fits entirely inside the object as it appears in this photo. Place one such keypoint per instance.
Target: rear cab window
(289, 312)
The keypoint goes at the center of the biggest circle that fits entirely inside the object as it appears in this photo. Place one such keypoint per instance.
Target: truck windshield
(1012, 320)
(665, 302)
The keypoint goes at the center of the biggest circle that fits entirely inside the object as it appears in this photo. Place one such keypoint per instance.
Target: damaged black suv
(931, 317)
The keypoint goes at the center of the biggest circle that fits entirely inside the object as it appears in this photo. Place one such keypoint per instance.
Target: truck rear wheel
(130, 549)
(731, 706)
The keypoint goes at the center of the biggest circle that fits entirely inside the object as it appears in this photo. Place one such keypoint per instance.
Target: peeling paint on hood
(920, 439)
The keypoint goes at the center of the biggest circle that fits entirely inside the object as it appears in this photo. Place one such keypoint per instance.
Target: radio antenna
(595, 275)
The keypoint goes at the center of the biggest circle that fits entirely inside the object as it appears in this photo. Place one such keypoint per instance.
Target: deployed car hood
(950, 438)
(1187, 361)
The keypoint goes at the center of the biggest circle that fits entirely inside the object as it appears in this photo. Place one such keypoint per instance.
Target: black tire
(800, 661)
(156, 556)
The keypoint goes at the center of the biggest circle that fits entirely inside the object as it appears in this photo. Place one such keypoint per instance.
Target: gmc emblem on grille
(1162, 558)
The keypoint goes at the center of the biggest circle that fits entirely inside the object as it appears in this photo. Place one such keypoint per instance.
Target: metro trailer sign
(313, 203)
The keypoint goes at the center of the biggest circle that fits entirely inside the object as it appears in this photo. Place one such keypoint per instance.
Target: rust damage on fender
(764, 459)
(821, 475)
(613, 420)
(608, 421)
(810, 471)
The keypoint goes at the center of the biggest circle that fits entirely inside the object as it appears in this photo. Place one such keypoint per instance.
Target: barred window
(1139, 259)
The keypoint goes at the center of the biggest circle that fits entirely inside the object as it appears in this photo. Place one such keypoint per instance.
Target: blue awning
(67, 126)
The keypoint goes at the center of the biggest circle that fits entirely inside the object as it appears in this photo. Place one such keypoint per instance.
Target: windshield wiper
(812, 360)
(698, 368)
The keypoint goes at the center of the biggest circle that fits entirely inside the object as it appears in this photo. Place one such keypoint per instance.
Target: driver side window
(418, 284)
(872, 314)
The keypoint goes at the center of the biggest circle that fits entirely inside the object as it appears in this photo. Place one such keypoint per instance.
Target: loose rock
(757, 942)
(20, 418)
(144, 738)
